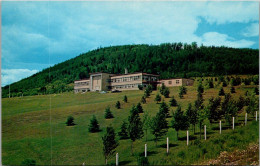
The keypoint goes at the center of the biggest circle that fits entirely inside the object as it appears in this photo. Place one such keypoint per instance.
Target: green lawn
(34, 127)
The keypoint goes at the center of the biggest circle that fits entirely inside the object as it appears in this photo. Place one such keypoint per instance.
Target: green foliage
(224, 84)
(142, 161)
(108, 113)
(253, 105)
(164, 109)
(180, 94)
(28, 162)
(179, 121)
(147, 92)
(157, 98)
(125, 99)
(123, 134)
(191, 115)
(164, 91)
(118, 105)
(140, 87)
(199, 102)
(240, 103)
(213, 108)
(109, 143)
(158, 126)
(232, 90)
(93, 126)
(256, 91)
(70, 121)
(175, 62)
(143, 100)
(183, 89)
(139, 108)
(146, 123)
(202, 117)
(200, 89)
(221, 92)
(210, 84)
(173, 102)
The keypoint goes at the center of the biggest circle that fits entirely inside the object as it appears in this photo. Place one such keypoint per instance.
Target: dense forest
(168, 60)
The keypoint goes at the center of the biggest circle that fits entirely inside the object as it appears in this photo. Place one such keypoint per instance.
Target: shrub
(140, 87)
(108, 113)
(118, 105)
(93, 126)
(125, 99)
(28, 162)
(157, 98)
(141, 160)
(139, 108)
(70, 121)
(173, 102)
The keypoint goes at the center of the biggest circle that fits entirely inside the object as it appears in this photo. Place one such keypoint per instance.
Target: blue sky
(36, 35)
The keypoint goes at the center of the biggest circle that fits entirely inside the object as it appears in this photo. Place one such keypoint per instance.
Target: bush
(70, 121)
(108, 113)
(173, 102)
(141, 160)
(93, 126)
(125, 99)
(140, 87)
(118, 105)
(157, 98)
(28, 162)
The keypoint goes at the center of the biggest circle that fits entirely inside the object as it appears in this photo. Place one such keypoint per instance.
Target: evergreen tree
(253, 105)
(256, 90)
(147, 92)
(125, 99)
(211, 85)
(150, 88)
(123, 134)
(179, 121)
(173, 102)
(135, 126)
(180, 94)
(200, 88)
(166, 92)
(108, 113)
(109, 143)
(240, 103)
(146, 123)
(118, 105)
(158, 126)
(192, 116)
(139, 108)
(213, 108)
(93, 126)
(232, 90)
(221, 92)
(70, 121)
(202, 116)
(162, 88)
(157, 98)
(183, 89)
(199, 102)
(164, 109)
(230, 111)
(143, 100)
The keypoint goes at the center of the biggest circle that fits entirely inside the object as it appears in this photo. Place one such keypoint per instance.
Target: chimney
(126, 71)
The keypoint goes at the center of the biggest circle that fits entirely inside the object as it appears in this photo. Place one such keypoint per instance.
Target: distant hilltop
(169, 60)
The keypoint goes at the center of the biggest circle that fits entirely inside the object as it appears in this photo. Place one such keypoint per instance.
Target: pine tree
(139, 108)
(202, 116)
(93, 126)
(135, 126)
(192, 116)
(123, 134)
(179, 121)
(200, 88)
(213, 108)
(143, 100)
(180, 94)
(70, 121)
(162, 88)
(166, 92)
(158, 126)
(125, 99)
(109, 143)
(118, 105)
(146, 123)
(108, 113)
(147, 92)
(221, 92)
(164, 109)
(232, 90)
(173, 102)
(157, 98)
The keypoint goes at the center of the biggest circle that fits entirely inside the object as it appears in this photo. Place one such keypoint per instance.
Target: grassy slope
(34, 128)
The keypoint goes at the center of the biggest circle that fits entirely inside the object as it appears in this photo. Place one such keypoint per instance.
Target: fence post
(220, 127)
(245, 118)
(116, 159)
(167, 145)
(205, 132)
(233, 123)
(187, 137)
(145, 150)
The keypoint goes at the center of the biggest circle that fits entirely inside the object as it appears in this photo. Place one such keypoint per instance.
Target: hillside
(168, 60)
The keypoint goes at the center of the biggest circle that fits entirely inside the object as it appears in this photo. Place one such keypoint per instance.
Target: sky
(36, 35)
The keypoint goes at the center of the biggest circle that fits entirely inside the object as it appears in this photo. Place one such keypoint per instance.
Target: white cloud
(13, 75)
(218, 39)
(252, 30)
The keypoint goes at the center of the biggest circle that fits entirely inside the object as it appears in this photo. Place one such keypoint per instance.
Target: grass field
(34, 127)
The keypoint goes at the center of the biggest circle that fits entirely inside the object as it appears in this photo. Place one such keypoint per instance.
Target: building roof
(134, 73)
(175, 79)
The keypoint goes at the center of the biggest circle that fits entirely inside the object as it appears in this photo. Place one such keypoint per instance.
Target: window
(177, 81)
(170, 82)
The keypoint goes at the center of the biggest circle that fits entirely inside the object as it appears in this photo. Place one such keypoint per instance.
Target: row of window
(125, 86)
(125, 79)
(82, 84)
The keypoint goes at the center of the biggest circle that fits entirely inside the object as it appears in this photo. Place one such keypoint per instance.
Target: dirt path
(249, 156)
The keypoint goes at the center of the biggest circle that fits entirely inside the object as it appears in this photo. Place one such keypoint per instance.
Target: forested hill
(168, 60)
